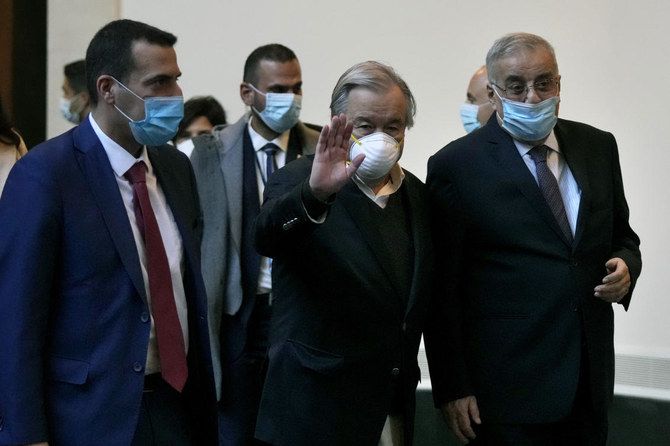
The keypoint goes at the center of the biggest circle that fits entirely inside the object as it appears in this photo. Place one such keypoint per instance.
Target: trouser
(164, 420)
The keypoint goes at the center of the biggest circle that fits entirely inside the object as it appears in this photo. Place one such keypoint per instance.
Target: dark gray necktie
(270, 149)
(549, 188)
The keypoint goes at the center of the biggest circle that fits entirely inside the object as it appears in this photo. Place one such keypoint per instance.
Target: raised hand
(331, 169)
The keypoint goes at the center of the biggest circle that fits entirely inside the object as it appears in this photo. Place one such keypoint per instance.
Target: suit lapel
(102, 181)
(418, 217)
(166, 177)
(502, 148)
(231, 161)
(575, 158)
(294, 148)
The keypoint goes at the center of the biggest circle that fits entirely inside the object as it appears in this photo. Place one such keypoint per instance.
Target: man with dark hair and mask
(75, 102)
(533, 227)
(103, 328)
(232, 166)
(348, 231)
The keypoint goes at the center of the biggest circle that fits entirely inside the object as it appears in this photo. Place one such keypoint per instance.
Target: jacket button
(395, 371)
(289, 224)
(144, 317)
(2, 423)
(138, 367)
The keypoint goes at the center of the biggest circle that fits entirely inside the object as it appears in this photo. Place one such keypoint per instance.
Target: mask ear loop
(357, 142)
(131, 92)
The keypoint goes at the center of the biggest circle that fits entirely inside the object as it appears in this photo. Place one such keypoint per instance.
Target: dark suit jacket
(218, 163)
(341, 335)
(74, 325)
(516, 305)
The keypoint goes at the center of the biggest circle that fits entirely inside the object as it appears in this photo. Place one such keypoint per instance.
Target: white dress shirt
(121, 161)
(258, 142)
(570, 191)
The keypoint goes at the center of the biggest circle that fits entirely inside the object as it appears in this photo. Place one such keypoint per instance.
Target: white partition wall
(613, 56)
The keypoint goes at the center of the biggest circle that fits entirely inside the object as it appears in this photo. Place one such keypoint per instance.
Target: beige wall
(613, 56)
(71, 25)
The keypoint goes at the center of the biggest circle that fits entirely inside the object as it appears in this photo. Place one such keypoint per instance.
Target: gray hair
(511, 44)
(375, 76)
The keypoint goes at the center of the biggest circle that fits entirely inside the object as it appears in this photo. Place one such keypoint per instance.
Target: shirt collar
(119, 158)
(392, 186)
(524, 148)
(259, 142)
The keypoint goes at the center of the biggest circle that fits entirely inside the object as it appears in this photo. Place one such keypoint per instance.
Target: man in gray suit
(232, 166)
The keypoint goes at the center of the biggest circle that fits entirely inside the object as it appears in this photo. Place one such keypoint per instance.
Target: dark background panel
(23, 66)
(632, 421)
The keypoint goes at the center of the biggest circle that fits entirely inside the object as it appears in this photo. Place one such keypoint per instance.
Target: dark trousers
(164, 420)
(243, 382)
(584, 426)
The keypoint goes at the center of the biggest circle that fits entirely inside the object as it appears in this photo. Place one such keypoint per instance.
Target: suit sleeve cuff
(316, 210)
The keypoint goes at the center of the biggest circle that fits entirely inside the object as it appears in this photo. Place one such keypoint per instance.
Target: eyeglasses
(544, 88)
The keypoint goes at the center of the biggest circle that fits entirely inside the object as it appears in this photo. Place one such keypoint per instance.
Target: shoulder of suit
(221, 136)
(54, 150)
(463, 147)
(309, 137)
(574, 126)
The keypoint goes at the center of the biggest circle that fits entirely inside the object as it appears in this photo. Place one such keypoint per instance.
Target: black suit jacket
(517, 298)
(342, 337)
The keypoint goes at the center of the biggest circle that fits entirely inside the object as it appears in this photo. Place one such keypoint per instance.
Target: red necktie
(168, 329)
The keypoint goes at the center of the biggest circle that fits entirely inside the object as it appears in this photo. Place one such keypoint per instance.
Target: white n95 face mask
(381, 151)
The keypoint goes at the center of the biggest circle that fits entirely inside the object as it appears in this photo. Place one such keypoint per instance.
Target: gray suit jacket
(218, 164)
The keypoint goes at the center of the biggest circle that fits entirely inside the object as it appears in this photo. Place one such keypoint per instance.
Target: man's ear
(491, 93)
(247, 94)
(104, 86)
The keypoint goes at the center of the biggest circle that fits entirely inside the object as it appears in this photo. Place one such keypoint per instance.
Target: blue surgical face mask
(67, 111)
(469, 117)
(162, 115)
(528, 122)
(282, 110)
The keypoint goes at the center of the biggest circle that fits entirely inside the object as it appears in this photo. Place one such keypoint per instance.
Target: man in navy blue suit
(533, 227)
(103, 328)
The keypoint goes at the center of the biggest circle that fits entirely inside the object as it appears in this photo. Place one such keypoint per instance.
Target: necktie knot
(137, 173)
(270, 149)
(539, 154)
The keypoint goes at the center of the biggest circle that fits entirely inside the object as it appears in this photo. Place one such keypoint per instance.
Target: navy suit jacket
(74, 325)
(516, 313)
(343, 338)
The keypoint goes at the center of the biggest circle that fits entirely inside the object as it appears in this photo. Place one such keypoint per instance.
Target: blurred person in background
(12, 146)
(477, 108)
(75, 103)
(201, 115)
